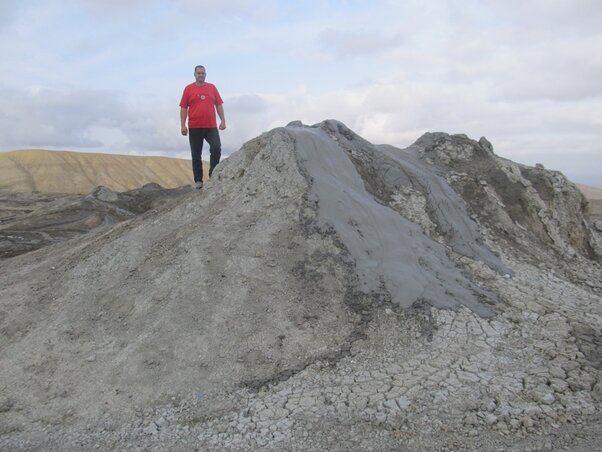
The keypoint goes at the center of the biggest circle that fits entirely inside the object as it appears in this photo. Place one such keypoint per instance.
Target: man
(199, 103)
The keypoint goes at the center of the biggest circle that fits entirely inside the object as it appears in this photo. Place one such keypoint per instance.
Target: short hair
(199, 66)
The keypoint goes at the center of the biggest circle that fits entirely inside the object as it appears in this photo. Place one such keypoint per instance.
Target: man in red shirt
(199, 103)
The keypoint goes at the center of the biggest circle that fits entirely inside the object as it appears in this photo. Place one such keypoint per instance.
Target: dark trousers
(196, 137)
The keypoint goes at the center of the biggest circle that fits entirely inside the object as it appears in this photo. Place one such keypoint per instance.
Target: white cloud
(7, 14)
(108, 137)
(561, 69)
(248, 104)
(112, 8)
(346, 43)
(56, 118)
(257, 11)
(552, 17)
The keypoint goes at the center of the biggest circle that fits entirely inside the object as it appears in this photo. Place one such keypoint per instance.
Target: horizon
(595, 187)
(525, 76)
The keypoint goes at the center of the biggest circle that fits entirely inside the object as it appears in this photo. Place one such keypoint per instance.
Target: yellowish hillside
(590, 192)
(80, 172)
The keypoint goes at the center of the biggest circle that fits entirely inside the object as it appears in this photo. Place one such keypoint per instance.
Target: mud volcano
(319, 292)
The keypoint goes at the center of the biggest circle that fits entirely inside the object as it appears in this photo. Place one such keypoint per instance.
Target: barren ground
(250, 315)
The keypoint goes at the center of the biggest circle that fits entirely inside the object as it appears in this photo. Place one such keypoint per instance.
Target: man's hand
(222, 118)
(184, 131)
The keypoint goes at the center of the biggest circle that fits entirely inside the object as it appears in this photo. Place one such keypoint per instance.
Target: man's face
(199, 75)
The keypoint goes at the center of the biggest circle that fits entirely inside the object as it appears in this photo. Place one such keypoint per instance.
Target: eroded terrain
(249, 315)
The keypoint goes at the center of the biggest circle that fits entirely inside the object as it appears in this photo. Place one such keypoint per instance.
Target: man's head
(200, 74)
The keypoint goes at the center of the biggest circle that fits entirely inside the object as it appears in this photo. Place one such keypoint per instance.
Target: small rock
(557, 372)
(5, 404)
(502, 427)
(390, 404)
(490, 418)
(403, 403)
(597, 390)
(151, 429)
(488, 405)
(471, 419)
(106, 194)
(161, 422)
(527, 422)
(278, 437)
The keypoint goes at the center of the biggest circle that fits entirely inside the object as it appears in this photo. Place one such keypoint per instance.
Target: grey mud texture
(319, 293)
(388, 248)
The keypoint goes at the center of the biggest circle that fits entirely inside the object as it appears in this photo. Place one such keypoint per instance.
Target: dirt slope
(29, 221)
(591, 193)
(80, 172)
(594, 209)
(319, 293)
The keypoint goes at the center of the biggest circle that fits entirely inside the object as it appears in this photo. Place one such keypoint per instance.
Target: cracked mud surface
(419, 379)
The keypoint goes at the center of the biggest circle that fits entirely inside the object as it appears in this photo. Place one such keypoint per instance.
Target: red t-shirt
(201, 102)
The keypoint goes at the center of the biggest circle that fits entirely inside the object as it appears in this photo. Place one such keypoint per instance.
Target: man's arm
(222, 117)
(183, 115)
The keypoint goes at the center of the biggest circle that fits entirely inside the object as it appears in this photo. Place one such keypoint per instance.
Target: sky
(108, 75)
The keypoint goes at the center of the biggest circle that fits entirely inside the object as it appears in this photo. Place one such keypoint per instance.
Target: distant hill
(81, 172)
(590, 192)
(594, 196)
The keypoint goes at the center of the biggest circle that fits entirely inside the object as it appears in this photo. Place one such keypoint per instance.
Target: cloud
(552, 17)
(256, 11)
(92, 120)
(40, 117)
(545, 50)
(248, 104)
(345, 44)
(8, 12)
(560, 70)
(108, 8)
